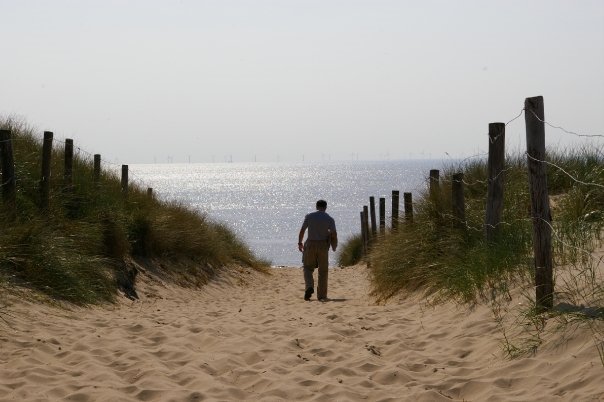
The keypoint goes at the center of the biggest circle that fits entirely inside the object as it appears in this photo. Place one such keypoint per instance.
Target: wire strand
(517, 117)
(565, 130)
(565, 172)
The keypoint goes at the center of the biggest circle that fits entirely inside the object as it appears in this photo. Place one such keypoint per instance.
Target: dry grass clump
(80, 247)
(351, 252)
(435, 255)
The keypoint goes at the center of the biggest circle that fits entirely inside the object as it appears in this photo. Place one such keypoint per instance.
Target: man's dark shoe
(308, 293)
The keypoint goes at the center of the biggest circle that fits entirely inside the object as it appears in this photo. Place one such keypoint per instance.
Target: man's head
(321, 205)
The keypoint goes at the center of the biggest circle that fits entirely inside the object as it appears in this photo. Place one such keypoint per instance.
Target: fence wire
(565, 172)
(565, 130)
(558, 233)
(22, 179)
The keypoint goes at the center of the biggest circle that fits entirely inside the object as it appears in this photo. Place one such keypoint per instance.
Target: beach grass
(90, 240)
(449, 262)
(351, 252)
(434, 254)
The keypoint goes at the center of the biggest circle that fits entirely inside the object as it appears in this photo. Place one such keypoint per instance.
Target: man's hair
(321, 204)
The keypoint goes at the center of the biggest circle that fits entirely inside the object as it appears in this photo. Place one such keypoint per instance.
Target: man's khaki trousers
(316, 255)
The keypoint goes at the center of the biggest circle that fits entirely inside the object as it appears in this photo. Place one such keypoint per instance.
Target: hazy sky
(139, 81)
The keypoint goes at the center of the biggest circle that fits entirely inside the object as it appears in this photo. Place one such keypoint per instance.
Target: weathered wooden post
(395, 205)
(366, 223)
(45, 180)
(540, 209)
(369, 238)
(96, 175)
(495, 172)
(363, 234)
(382, 216)
(434, 184)
(125, 180)
(68, 172)
(149, 192)
(372, 212)
(8, 183)
(457, 201)
(434, 195)
(408, 200)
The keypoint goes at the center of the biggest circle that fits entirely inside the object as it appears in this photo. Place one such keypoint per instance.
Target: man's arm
(333, 235)
(333, 239)
(301, 238)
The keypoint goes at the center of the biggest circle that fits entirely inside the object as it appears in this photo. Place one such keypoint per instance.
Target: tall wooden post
(434, 184)
(96, 175)
(125, 180)
(382, 216)
(434, 195)
(408, 200)
(45, 180)
(68, 172)
(8, 183)
(495, 170)
(541, 215)
(372, 212)
(457, 201)
(363, 233)
(366, 223)
(395, 205)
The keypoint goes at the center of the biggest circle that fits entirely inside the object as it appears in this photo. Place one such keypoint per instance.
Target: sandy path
(261, 342)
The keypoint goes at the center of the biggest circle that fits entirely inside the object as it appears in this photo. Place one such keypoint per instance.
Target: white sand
(260, 341)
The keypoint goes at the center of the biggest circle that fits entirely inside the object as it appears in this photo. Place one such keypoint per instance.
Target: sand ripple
(261, 342)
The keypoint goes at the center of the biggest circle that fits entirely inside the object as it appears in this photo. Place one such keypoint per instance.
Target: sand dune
(253, 338)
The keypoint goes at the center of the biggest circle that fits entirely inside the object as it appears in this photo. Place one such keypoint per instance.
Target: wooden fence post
(434, 196)
(125, 180)
(96, 175)
(45, 180)
(434, 184)
(395, 205)
(366, 223)
(457, 201)
(68, 173)
(408, 200)
(150, 192)
(540, 209)
(495, 170)
(8, 183)
(363, 234)
(372, 212)
(382, 216)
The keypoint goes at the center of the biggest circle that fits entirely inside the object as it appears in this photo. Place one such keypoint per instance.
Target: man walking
(321, 234)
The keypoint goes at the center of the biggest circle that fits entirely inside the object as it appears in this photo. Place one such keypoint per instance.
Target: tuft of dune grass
(351, 252)
(79, 249)
(432, 255)
(446, 262)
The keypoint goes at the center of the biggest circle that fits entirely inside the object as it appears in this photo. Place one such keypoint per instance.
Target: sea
(265, 203)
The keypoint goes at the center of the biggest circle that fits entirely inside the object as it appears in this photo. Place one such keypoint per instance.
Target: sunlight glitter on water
(265, 203)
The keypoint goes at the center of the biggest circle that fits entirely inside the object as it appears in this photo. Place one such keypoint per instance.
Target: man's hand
(301, 247)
